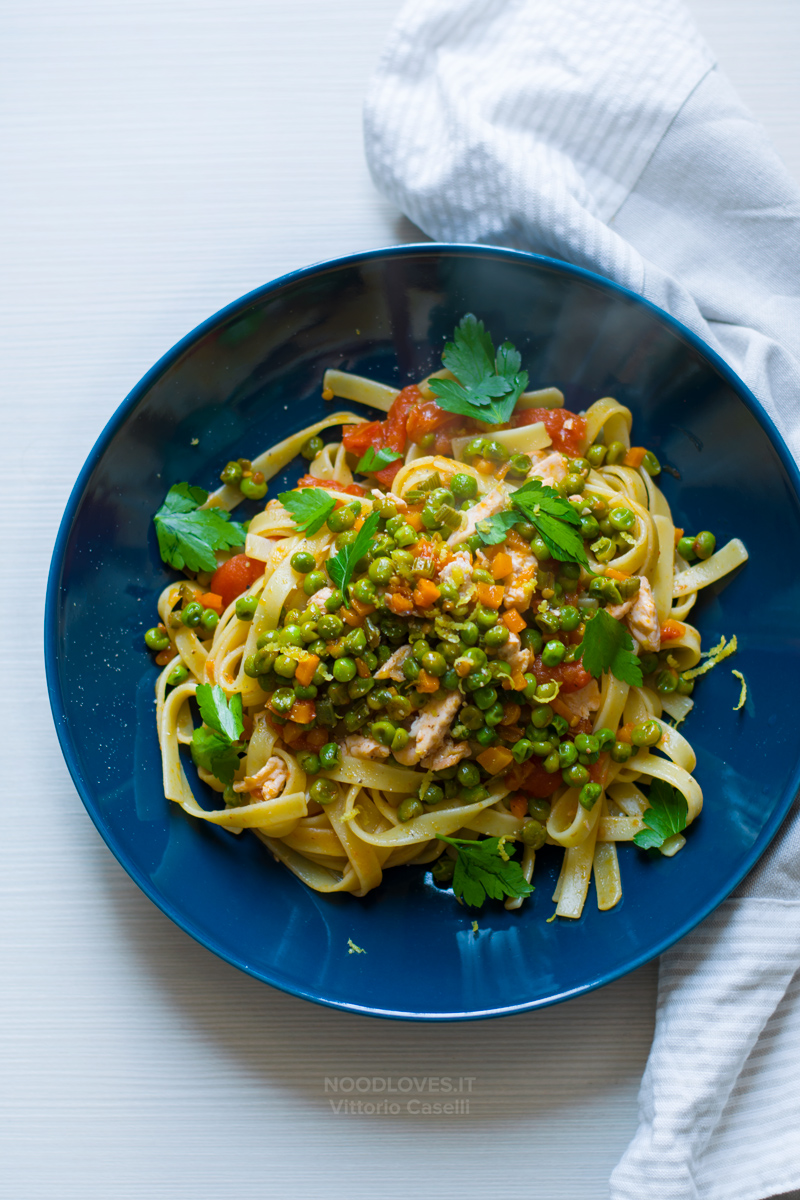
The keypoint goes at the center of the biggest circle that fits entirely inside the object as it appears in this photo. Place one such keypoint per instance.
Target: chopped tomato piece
(426, 593)
(671, 630)
(427, 683)
(512, 620)
(490, 595)
(351, 489)
(235, 576)
(391, 432)
(634, 456)
(571, 676)
(501, 565)
(531, 777)
(566, 429)
(518, 807)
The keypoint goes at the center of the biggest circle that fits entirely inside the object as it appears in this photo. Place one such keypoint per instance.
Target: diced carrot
(511, 715)
(515, 542)
(350, 616)
(327, 394)
(316, 738)
(165, 656)
(671, 630)
(399, 604)
(426, 593)
(490, 595)
(502, 565)
(211, 600)
(634, 456)
(427, 683)
(519, 807)
(305, 669)
(414, 519)
(513, 621)
(302, 711)
(518, 681)
(361, 610)
(484, 465)
(291, 733)
(495, 759)
(613, 573)
(678, 534)
(624, 732)
(362, 668)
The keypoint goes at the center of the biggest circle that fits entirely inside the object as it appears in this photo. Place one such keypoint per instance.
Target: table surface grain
(161, 159)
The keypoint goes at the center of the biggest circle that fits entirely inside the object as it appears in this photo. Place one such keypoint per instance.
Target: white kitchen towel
(602, 134)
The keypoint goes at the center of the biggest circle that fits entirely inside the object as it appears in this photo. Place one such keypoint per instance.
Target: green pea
(471, 716)
(308, 762)
(232, 798)
(567, 754)
(409, 808)
(400, 740)
(526, 530)
(329, 756)
(285, 666)
(282, 700)
(481, 576)
(495, 451)
(553, 653)
(179, 674)
(704, 544)
(378, 698)
(586, 743)
(432, 794)
(494, 715)
(360, 686)
(551, 764)
(685, 686)
(410, 670)
(532, 639)
(480, 678)
(541, 716)
(484, 618)
(519, 466)
(686, 548)
(381, 570)
(364, 591)
(604, 549)
(341, 520)
(319, 647)
(589, 527)
(443, 870)
(605, 589)
(499, 669)
(595, 454)
(330, 626)
(560, 724)
(546, 692)
(469, 633)
(576, 775)
(464, 486)
(604, 738)
(254, 487)
(334, 601)
(646, 734)
(621, 752)
(621, 518)
(344, 669)
(309, 632)
(356, 640)
(312, 447)
(190, 616)
(356, 716)
(383, 731)
(246, 607)
(486, 736)
(434, 663)
(385, 507)
(292, 635)
(156, 639)
(398, 708)
(209, 619)
(303, 562)
(474, 657)
(497, 636)
(308, 692)
(616, 452)
(550, 620)
(651, 463)
(534, 835)
(571, 485)
(570, 618)
(468, 774)
(231, 472)
(666, 682)
(542, 747)
(323, 791)
(540, 548)
(314, 582)
(405, 535)
(589, 794)
(539, 809)
(473, 449)
(485, 697)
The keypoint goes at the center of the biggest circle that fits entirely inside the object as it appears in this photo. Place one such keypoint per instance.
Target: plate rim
(53, 596)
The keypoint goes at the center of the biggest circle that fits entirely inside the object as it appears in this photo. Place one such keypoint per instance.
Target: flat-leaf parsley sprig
(218, 747)
(554, 518)
(188, 535)
(608, 646)
(374, 460)
(666, 816)
(484, 869)
(341, 567)
(487, 385)
(309, 508)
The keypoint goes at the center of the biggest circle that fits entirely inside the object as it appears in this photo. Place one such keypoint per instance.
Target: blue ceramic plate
(252, 374)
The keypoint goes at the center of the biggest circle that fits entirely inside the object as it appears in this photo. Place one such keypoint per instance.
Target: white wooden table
(162, 157)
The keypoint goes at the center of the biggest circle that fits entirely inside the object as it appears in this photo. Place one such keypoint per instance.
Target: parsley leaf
(666, 815)
(309, 508)
(554, 518)
(213, 752)
(214, 748)
(607, 646)
(342, 566)
(188, 535)
(218, 714)
(483, 870)
(376, 460)
(487, 385)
